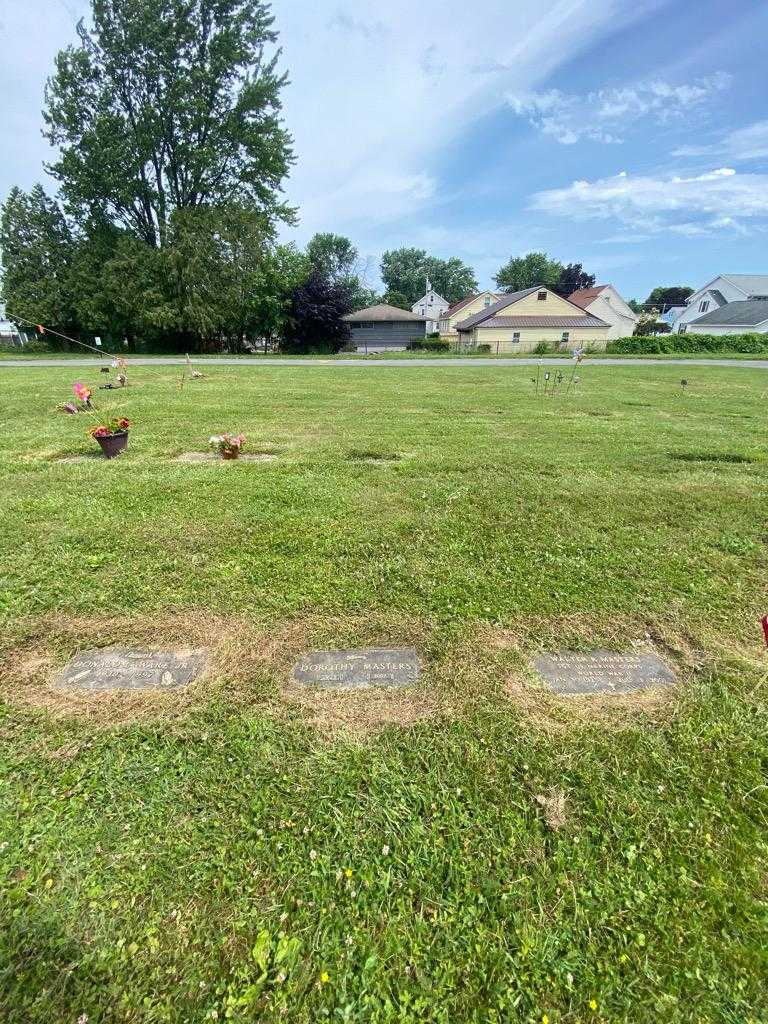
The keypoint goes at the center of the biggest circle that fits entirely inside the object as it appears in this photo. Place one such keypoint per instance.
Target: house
(384, 328)
(462, 309)
(520, 321)
(718, 293)
(432, 306)
(604, 302)
(748, 316)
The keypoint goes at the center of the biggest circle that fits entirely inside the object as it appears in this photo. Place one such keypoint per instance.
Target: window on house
(683, 329)
(516, 336)
(542, 295)
(423, 310)
(704, 306)
(566, 336)
(487, 300)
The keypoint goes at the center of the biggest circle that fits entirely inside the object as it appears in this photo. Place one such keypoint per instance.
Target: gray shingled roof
(747, 313)
(542, 321)
(752, 284)
(382, 312)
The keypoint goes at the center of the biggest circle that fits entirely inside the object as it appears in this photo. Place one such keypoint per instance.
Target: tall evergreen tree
(169, 105)
(37, 252)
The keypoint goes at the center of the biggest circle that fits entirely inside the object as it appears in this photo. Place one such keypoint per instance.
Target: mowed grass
(245, 853)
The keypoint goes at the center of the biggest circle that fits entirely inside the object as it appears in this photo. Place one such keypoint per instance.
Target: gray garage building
(384, 328)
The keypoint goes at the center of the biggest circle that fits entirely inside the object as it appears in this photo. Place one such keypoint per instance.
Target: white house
(430, 306)
(748, 316)
(604, 302)
(719, 292)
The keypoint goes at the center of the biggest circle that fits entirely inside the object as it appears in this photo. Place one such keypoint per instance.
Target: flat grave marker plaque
(570, 673)
(124, 668)
(359, 669)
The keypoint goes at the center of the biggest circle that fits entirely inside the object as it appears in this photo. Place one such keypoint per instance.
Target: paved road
(746, 364)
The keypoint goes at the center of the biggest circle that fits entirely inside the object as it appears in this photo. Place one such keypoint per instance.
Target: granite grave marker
(358, 669)
(123, 668)
(570, 673)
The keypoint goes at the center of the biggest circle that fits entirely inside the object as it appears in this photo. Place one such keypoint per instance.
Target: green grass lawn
(244, 851)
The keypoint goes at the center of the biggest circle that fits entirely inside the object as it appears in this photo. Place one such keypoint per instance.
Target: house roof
(583, 296)
(437, 295)
(542, 321)
(382, 312)
(465, 302)
(751, 284)
(747, 313)
(495, 307)
(479, 319)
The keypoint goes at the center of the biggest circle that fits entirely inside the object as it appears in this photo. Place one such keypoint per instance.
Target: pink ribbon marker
(764, 621)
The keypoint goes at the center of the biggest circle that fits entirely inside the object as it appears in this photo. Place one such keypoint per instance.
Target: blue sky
(632, 137)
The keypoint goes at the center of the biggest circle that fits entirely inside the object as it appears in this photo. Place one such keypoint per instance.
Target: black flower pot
(113, 444)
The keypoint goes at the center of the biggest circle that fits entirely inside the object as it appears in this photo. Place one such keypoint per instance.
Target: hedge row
(650, 344)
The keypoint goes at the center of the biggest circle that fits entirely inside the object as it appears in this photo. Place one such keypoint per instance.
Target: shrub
(542, 347)
(671, 343)
(30, 346)
(428, 344)
(484, 348)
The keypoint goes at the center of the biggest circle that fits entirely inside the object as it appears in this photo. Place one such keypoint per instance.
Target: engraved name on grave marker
(570, 673)
(358, 669)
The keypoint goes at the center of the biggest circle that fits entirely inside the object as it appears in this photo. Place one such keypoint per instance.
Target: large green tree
(37, 254)
(536, 268)
(670, 296)
(169, 105)
(405, 272)
(573, 277)
(218, 282)
(336, 258)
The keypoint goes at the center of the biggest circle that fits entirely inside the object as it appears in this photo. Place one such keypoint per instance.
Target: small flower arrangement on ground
(228, 446)
(116, 425)
(112, 436)
(83, 404)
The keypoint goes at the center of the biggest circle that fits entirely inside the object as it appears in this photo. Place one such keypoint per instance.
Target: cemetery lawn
(474, 850)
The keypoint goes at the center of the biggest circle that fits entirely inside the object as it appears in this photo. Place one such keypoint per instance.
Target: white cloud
(750, 143)
(721, 199)
(377, 91)
(604, 115)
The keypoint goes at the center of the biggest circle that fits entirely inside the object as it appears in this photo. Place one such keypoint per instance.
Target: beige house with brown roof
(604, 302)
(462, 309)
(520, 321)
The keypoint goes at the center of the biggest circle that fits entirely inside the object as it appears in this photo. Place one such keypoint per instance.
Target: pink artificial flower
(81, 391)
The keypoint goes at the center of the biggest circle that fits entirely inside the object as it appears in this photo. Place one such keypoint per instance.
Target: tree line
(171, 159)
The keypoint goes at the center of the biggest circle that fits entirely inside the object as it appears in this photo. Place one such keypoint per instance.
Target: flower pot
(230, 453)
(113, 444)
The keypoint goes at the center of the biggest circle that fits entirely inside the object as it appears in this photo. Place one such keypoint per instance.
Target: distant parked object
(462, 309)
(9, 332)
(384, 328)
(718, 293)
(432, 306)
(604, 302)
(520, 321)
